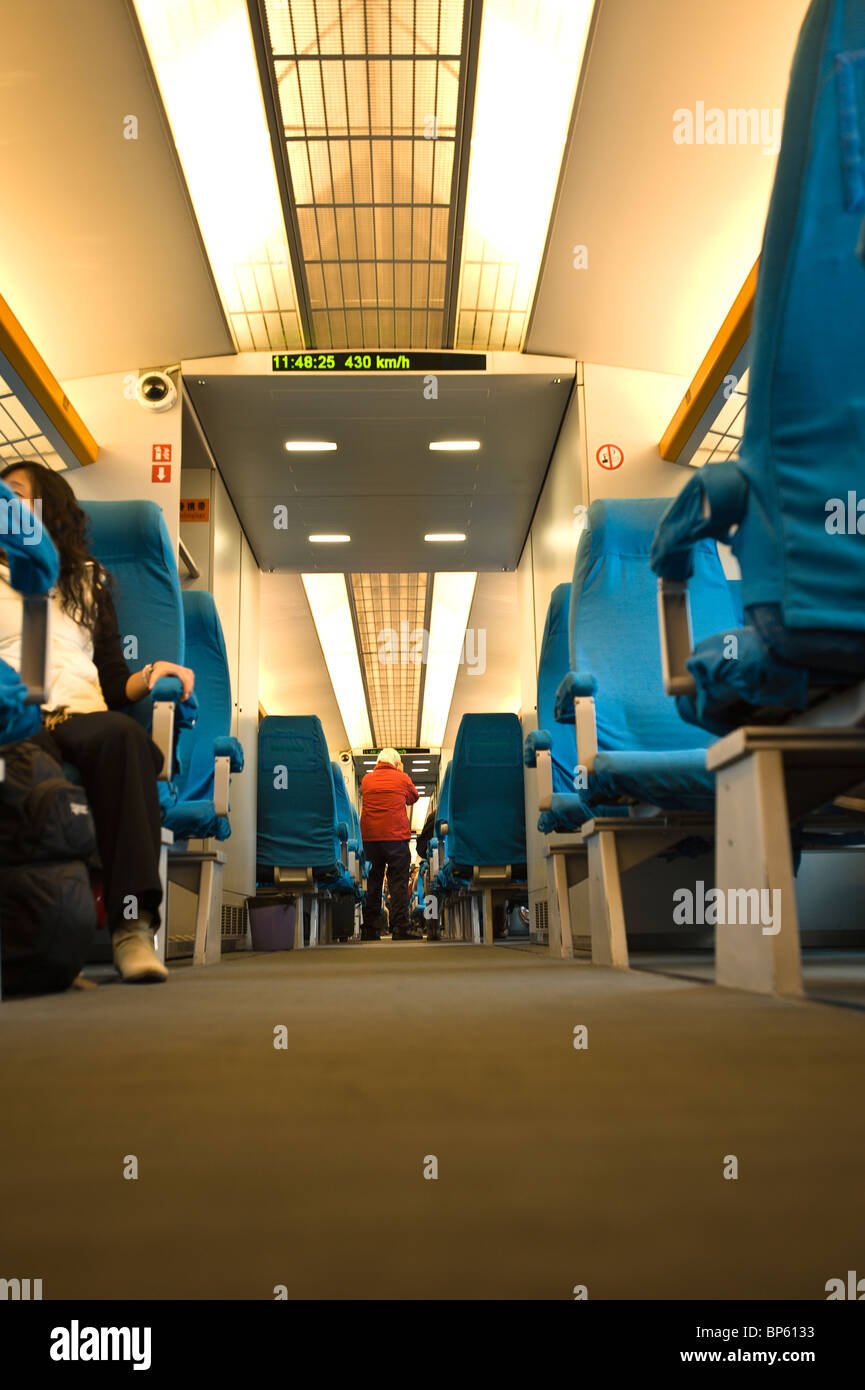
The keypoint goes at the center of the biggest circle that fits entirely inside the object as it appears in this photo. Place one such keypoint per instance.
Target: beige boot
(134, 955)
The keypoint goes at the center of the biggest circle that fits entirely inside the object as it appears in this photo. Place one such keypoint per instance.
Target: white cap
(389, 755)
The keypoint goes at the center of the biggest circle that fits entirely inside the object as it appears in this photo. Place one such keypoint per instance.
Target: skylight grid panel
(402, 322)
(402, 232)
(419, 283)
(354, 328)
(18, 423)
(443, 169)
(300, 173)
(283, 286)
(333, 283)
(329, 16)
(350, 285)
(318, 154)
(345, 232)
(371, 331)
(360, 157)
(402, 82)
(327, 237)
(403, 172)
(385, 283)
(332, 76)
(447, 103)
(380, 96)
(353, 27)
(307, 222)
(358, 98)
(424, 154)
(384, 233)
(290, 104)
(312, 98)
(402, 286)
(365, 233)
(282, 35)
(451, 25)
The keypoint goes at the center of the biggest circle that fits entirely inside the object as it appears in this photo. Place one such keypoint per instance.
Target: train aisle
(285, 1111)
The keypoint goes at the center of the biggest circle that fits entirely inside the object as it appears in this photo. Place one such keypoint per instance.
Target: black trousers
(395, 856)
(118, 763)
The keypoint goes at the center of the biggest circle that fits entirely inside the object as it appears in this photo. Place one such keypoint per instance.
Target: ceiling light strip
(267, 79)
(531, 55)
(452, 601)
(330, 605)
(203, 59)
(460, 172)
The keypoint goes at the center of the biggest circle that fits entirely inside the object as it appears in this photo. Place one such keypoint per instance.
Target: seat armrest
(221, 778)
(676, 636)
(227, 747)
(170, 712)
(710, 505)
(587, 731)
(576, 685)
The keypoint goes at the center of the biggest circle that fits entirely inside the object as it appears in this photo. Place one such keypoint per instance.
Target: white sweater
(73, 680)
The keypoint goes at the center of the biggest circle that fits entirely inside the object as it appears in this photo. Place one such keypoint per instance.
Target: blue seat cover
(297, 823)
(194, 812)
(487, 816)
(646, 751)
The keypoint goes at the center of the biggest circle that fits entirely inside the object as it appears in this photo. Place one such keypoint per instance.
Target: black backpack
(47, 922)
(43, 816)
(47, 909)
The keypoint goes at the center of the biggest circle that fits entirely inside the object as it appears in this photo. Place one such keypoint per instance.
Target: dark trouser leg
(372, 904)
(398, 865)
(118, 764)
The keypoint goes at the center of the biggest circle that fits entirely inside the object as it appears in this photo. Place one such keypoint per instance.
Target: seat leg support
(609, 943)
(753, 852)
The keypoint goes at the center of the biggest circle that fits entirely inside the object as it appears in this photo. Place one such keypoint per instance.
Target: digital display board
(387, 361)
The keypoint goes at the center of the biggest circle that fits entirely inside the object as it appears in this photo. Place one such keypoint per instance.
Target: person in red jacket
(385, 792)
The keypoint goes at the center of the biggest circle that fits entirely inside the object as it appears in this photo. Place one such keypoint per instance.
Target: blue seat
(346, 815)
(481, 821)
(564, 807)
(486, 815)
(206, 748)
(788, 505)
(645, 752)
(298, 826)
(131, 541)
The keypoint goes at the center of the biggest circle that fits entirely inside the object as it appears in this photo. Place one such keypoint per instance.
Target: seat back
(342, 801)
(614, 626)
(131, 541)
(487, 801)
(804, 438)
(206, 655)
(553, 666)
(296, 800)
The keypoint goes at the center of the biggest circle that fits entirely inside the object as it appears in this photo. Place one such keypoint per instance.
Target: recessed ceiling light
(456, 446)
(328, 540)
(309, 446)
(445, 536)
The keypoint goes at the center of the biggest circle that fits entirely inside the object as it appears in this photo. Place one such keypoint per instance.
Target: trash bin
(271, 923)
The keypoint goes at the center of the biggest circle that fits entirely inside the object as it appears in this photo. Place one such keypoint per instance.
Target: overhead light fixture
(445, 536)
(328, 602)
(328, 540)
(310, 446)
(451, 605)
(529, 61)
(204, 61)
(454, 446)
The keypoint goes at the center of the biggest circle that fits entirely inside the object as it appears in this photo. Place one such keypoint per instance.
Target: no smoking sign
(610, 456)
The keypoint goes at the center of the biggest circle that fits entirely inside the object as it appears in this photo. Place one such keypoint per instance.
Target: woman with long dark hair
(89, 683)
